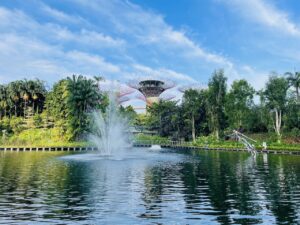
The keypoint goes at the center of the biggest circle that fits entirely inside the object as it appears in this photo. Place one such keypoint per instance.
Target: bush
(211, 139)
(37, 120)
(40, 138)
(295, 133)
(152, 138)
(17, 125)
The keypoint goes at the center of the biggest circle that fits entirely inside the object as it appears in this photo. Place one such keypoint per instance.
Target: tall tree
(14, 90)
(215, 103)
(239, 102)
(3, 100)
(194, 108)
(162, 117)
(294, 81)
(275, 97)
(82, 97)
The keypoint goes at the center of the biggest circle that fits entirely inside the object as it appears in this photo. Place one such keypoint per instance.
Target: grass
(211, 142)
(53, 138)
(40, 138)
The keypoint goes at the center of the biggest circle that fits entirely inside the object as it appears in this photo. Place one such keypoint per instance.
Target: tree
(129, 113)
(238, 103)
(162, 117)
(70, 103)
(294, 81)
(56, 105)
(215, 102)
(3, 100)
(275, 97)
(14, 90)
(194, 108)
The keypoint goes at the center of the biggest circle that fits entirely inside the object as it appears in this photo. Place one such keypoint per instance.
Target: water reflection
(150, 188)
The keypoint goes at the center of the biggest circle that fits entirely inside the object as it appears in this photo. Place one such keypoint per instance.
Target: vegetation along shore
(32, 115)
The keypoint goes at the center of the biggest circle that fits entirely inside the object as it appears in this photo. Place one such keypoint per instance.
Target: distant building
(151, 89)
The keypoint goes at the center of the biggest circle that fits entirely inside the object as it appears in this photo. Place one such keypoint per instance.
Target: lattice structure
(120, 91)
(165, 98)
(123, 99)
(151, 88)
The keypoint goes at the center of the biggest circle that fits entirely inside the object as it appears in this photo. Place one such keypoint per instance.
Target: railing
(162, 142)
(245, 140)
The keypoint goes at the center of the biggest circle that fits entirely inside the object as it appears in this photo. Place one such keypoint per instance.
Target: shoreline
(168, 146)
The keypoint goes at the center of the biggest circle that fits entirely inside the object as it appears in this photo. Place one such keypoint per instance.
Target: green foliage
(30, 114)
(151, 138)
(70, 102)
(40, 138)
(275, 97)
(239, 102)
(193, 107)
(129, 113)
(163, 118)
(17, 96)
(275, 93)
(37, 120)
(215, 102)
(206, 140)
(16, 124)
(294, 82)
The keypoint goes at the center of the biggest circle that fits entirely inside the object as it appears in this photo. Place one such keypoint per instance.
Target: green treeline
(217, 110)
(32, 114)
(29, 112)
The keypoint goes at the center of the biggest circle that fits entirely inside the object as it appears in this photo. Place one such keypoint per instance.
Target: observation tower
(151, 89)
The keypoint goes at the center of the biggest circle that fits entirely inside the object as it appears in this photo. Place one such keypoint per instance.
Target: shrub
(17, 124)
(37, 120)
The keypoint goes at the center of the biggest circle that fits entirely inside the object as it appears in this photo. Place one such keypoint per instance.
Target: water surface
(149, 187)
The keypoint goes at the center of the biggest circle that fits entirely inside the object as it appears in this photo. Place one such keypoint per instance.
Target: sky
(183, 40)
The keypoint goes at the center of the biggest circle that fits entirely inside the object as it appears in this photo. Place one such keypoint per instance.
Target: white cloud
(255, 77)
(266, 14)
(23, 57)
(15, 21)
(59, 15)
(86, 37)
(142, 71)
(91, 62)
(51, 50)
(150, 29)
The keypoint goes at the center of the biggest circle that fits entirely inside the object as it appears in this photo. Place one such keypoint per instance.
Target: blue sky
(122, 40)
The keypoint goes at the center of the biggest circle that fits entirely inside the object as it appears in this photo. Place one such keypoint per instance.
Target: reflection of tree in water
(32, 183)
(227, 191)
(244, 186)
(281, 183)
(235, 188)
(161, 183)
(224, 187)
(152, 195)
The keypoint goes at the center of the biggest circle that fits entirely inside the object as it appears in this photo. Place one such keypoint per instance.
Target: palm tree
(38, 92)
(25, 94)
(14, 93)
(294, 81)
(3, 100)
(82, 96)
(98, 79)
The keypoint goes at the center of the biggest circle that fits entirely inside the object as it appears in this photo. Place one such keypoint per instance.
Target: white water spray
(110, 130)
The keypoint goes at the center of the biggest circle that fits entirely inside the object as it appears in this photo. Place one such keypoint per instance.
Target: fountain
(110, 130)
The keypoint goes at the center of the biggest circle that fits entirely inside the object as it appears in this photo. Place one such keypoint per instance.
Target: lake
(149, 187)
